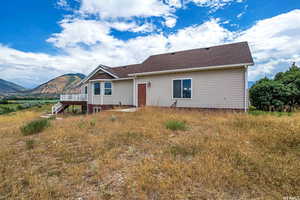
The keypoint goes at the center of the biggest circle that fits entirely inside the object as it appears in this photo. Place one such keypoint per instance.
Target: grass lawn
(151, 154)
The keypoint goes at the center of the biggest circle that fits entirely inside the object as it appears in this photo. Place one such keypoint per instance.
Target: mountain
(9, 87)
(67, 83)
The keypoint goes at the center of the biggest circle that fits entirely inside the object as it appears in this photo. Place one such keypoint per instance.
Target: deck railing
(73, 97)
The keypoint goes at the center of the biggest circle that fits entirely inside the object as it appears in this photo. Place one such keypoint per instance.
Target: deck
(67, 100)
(73, 99)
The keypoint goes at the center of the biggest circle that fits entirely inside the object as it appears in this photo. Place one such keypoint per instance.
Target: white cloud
(209, 33)
(116, 13)
(275, 43)
(64, 5)
(215, 4)
(240, 15)
(131, 26)
(78, 31)
(170, 22)
(272, 48)
(174, 3)
(124, 8)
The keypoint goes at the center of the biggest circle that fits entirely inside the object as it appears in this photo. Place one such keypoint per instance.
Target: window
(96, 88)
(107, 88)
(96, 109)
(182, 88)
(85, 90)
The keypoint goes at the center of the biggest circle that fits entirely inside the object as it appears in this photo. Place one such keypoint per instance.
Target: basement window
(96, 109)
(182, 89)
(96, 88)
(108, 88)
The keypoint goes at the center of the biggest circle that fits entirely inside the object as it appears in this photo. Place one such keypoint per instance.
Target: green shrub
(252, 108)
(34, 127)
(176, 125)
(3, 101)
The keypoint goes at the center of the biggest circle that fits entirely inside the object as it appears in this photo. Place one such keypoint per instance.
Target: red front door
(141, 95)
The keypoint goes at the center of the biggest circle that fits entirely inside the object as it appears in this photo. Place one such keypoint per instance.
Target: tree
(280, 94)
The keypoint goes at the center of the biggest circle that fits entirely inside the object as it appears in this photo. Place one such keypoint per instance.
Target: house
(208, 78)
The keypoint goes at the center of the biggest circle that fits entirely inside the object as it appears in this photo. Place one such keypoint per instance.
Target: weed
(113, 118)
(53, 117)
(183, 150)
(93, 123)
(54, 173)
(29, 144)
(278, 114)
(176, 125)
(34, 127)
(223, 156)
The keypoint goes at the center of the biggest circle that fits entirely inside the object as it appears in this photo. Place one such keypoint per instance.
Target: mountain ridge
(10, 87)
(66, 83)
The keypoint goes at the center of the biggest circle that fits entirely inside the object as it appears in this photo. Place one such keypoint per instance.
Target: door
(141, 95)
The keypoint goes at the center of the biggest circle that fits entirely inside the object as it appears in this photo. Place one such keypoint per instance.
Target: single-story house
(209, 78)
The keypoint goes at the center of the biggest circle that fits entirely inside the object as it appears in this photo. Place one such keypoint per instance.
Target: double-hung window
(107, 88)
(182, 89)
(97, 90)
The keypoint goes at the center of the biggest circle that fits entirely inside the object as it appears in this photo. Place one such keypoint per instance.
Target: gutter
(191, 69)
(117, 79)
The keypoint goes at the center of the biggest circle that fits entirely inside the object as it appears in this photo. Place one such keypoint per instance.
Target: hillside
(113, 155)
(67, 83)
(9, 87)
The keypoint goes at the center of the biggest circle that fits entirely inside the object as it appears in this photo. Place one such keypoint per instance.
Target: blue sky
(43, 39)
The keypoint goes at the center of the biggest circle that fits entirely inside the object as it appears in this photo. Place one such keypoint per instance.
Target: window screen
(177, 88)
(96, 88)
(187, 90)
(107, 88)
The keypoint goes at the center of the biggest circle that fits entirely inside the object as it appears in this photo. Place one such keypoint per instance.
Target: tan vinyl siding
(122, 92)
(210, 89)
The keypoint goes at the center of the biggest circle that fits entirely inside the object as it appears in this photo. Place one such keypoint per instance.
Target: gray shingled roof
(228, 54)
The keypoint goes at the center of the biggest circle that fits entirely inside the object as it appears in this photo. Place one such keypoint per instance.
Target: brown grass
(134, 156)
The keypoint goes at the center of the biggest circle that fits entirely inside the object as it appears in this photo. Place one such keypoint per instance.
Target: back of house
(206, 78)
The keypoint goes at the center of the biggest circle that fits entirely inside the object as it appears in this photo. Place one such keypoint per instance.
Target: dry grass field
(134, 156)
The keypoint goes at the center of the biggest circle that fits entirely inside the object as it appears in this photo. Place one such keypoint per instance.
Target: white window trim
(94, 89)
(86, 89)
(172, 92)
(107, 88)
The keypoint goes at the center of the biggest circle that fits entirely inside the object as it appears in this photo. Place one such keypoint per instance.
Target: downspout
(87, 97)
(92, 90)
(134, 92)
(246, 89)
(102, 92)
